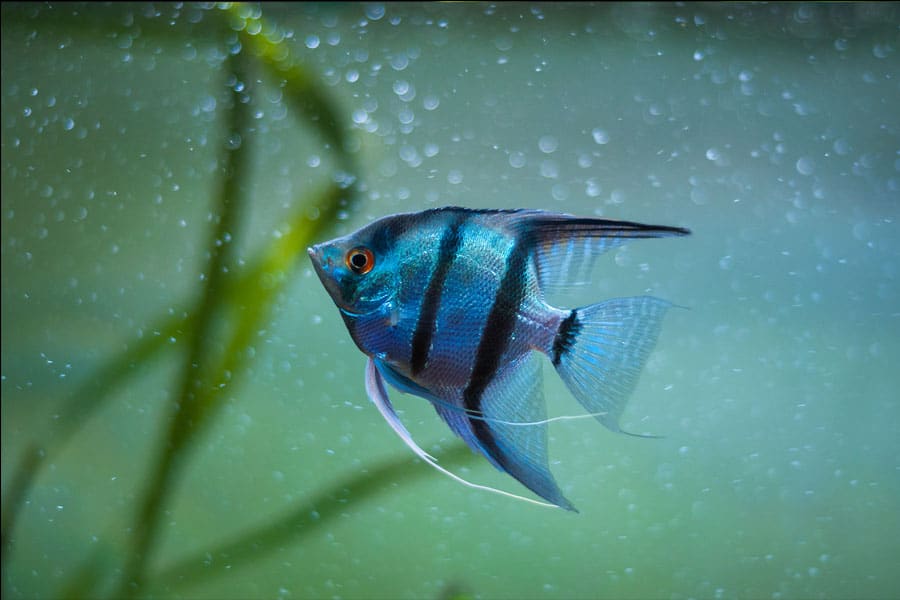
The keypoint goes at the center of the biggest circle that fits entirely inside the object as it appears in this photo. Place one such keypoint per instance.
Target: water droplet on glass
(547, 144)
(406, 116)
(806, 165)
(559, 192)
(431, 102)
(600, 136)
(400, 87)
(374, 11)
(549, 169)
(234, 141)
(408, 153)
(503, 43)
(882, 50)
(517, 160)
(312, 41)
(399, 62)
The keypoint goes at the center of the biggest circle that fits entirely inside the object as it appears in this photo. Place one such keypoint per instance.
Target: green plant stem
(21, 482)
(195, 397)
(74, 413)
(300, 522)
(253, 290)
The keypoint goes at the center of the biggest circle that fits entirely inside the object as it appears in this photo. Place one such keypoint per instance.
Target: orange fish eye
(360, 260)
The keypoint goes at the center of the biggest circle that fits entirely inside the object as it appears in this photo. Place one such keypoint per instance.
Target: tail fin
(599, 351)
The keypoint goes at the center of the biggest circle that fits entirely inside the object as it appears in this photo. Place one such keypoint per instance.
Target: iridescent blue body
(449, 304)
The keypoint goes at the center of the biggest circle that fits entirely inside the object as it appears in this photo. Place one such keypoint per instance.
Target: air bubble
(406, 116)
(399, 62)
(401, 87)
(549, 169)
(517, 160)
(360, 116)
(431, 102)
(806, 165)
(548, 144)
(559, 192)
(374, 11)
(882, 50)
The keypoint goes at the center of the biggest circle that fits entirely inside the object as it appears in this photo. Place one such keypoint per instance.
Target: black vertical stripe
(431, 301)
(494, 341)
(565, 336)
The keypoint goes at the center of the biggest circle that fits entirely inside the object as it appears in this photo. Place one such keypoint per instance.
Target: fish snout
(323, 258)
(314, 253)
(319, 258)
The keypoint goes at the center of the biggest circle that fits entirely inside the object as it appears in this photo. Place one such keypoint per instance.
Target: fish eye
(360, 260)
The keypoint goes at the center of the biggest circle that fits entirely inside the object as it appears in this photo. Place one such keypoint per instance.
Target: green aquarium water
(184, 414)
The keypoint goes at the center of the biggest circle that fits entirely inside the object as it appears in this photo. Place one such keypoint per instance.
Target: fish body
(449, 305)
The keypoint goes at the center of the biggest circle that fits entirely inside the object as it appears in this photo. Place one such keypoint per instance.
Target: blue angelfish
(449, 305)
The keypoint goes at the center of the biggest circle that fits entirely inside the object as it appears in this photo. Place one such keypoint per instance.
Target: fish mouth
(324, 267)
(317, 256)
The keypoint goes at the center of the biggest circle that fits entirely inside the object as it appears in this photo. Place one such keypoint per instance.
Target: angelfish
(449, 305)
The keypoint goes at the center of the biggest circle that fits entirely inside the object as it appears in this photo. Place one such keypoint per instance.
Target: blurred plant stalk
(220, 328)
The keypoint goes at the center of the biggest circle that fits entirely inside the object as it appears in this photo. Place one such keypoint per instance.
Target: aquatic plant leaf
(202, 379)
(206, 371)
(193, 400)
(310, 516)
(304, 90)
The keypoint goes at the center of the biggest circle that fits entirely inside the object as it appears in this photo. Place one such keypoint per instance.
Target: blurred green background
(183, 412)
